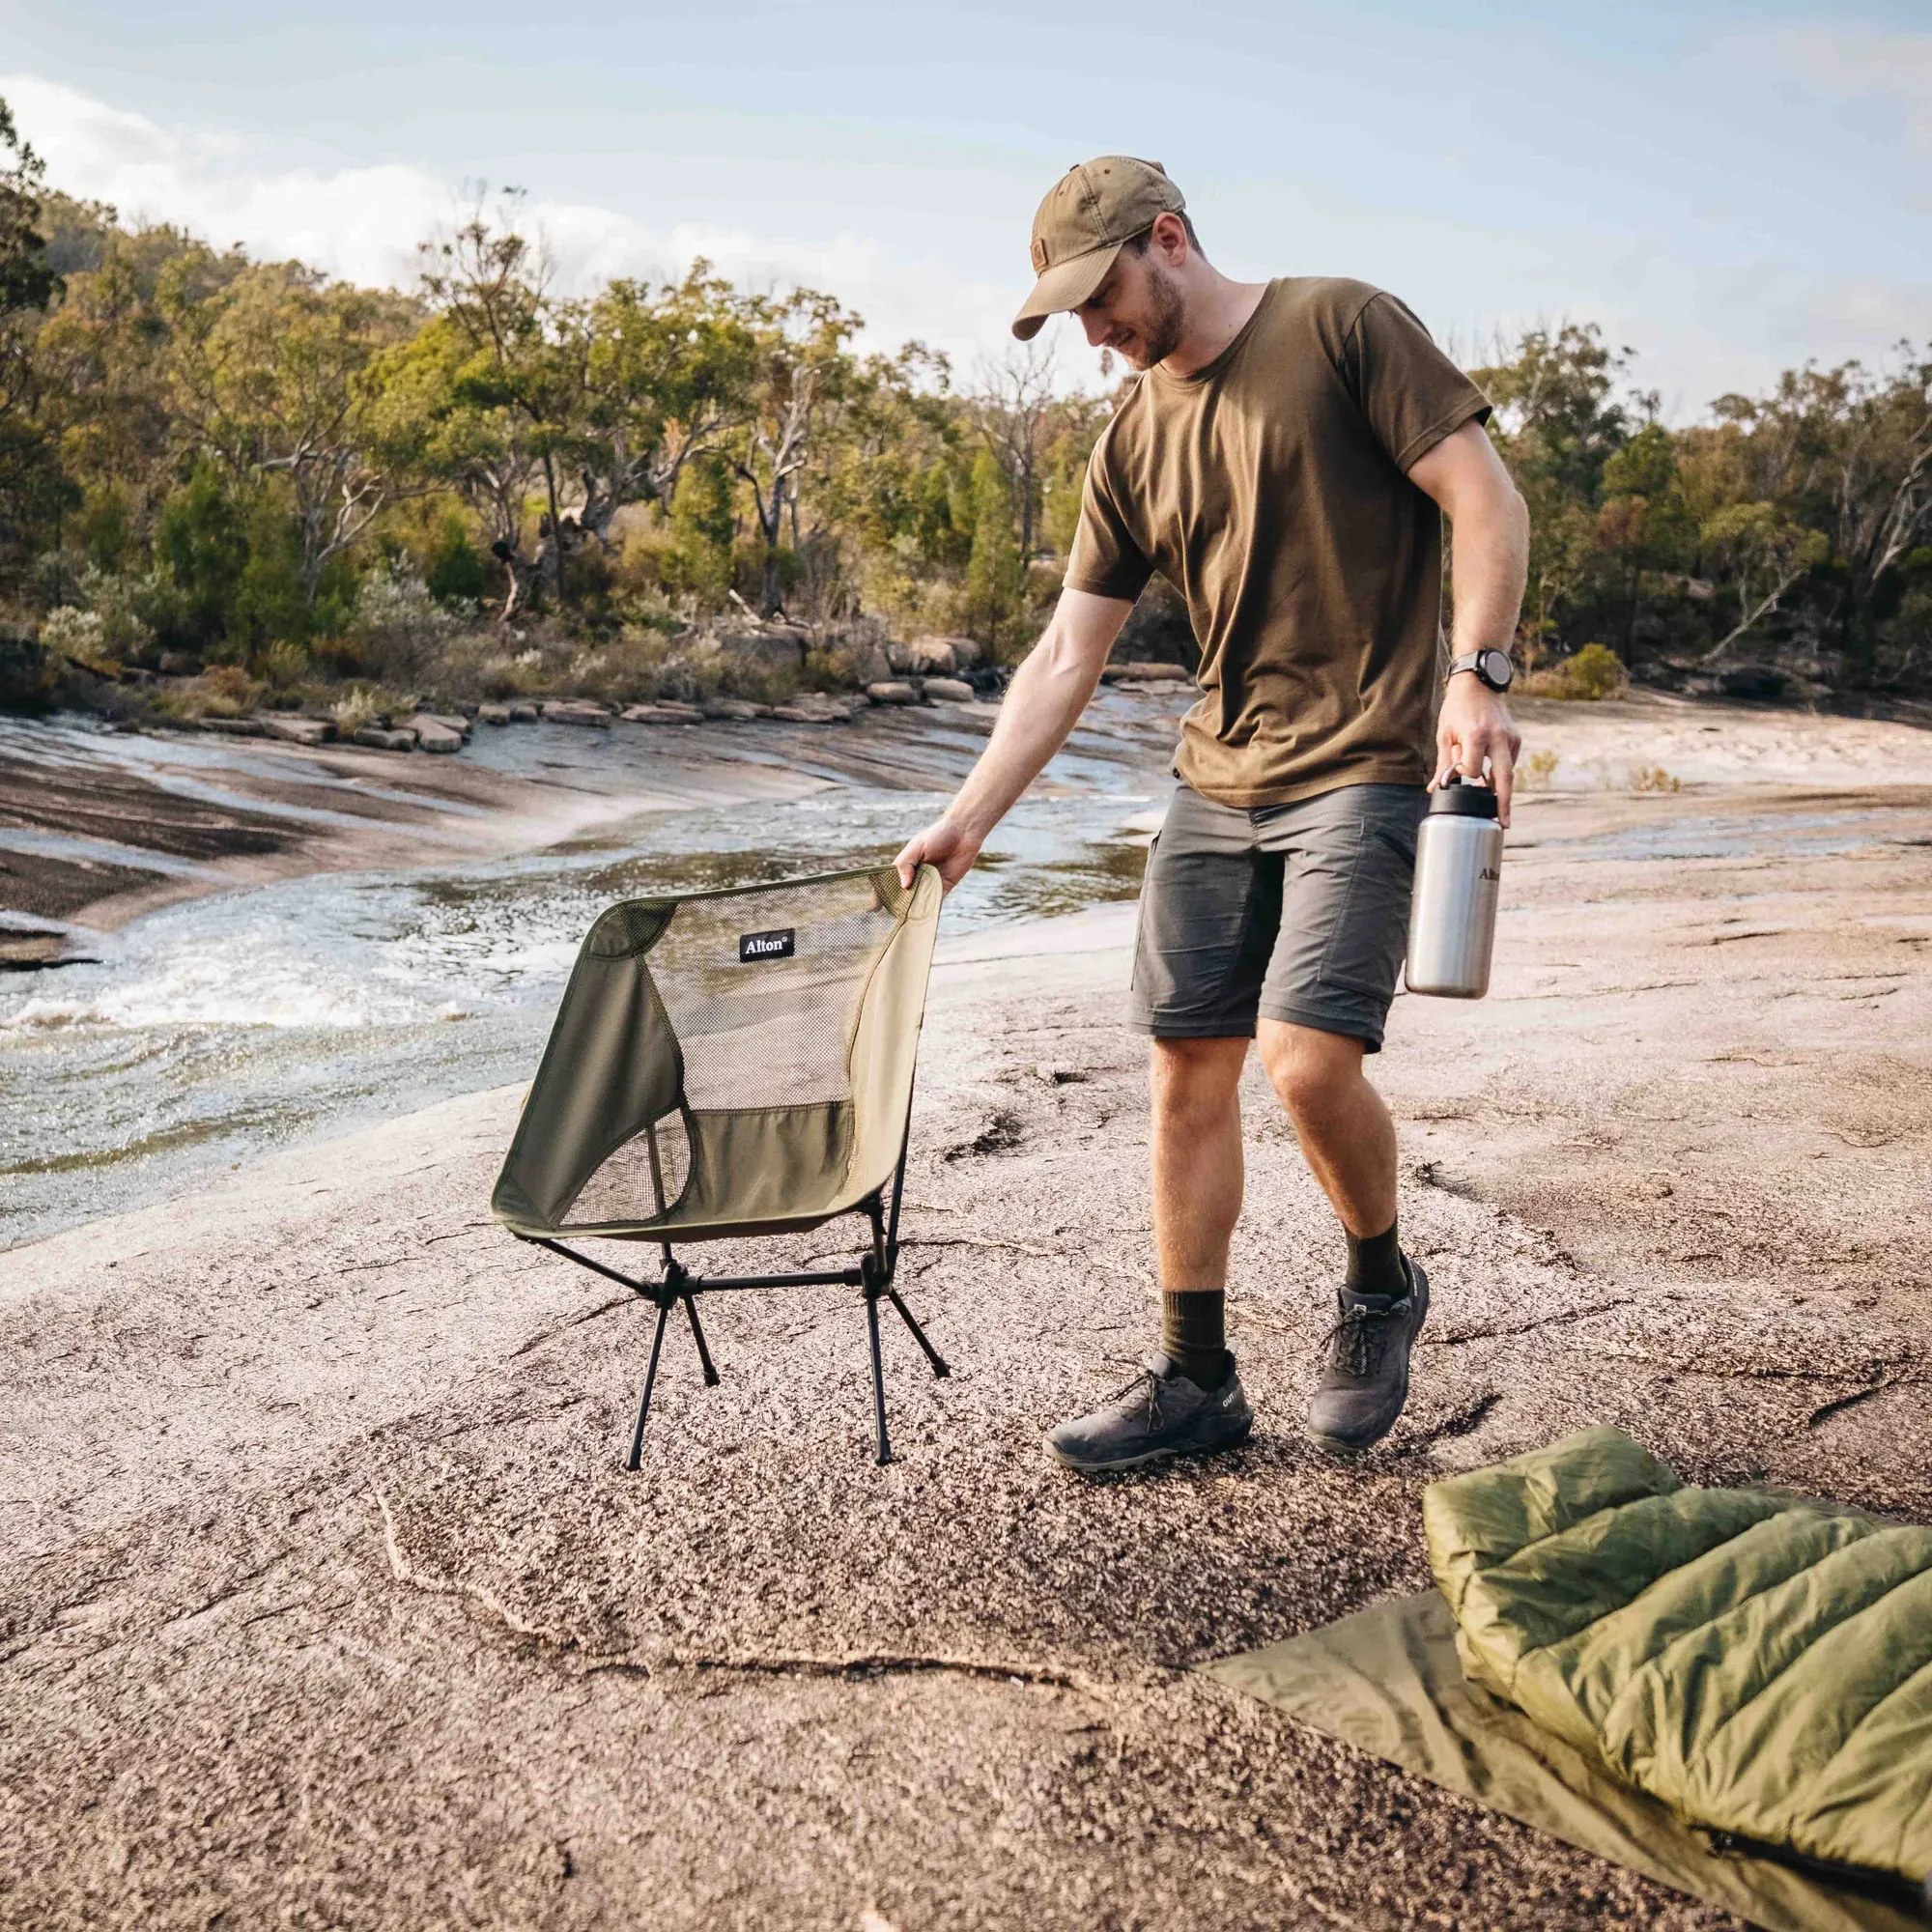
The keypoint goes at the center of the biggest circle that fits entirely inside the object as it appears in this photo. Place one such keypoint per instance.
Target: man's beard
(1166, 319)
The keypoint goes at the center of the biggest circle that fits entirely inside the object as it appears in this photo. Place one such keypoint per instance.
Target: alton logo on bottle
(778, 945)
(1490, 872)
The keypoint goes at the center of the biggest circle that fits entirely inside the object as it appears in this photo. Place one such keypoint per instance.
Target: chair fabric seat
(727, 1064)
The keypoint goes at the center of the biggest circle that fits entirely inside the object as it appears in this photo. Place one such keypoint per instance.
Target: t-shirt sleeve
(1412, 393)
(1105, 559)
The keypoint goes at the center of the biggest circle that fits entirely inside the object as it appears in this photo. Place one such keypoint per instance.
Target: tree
(32, 489)
(995, 572)
(495, 392)
(271, 377)
(670, 373)
(1015, 412)
(799, 369)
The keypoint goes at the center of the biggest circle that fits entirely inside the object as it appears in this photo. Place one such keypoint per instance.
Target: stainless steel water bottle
(1451, 913)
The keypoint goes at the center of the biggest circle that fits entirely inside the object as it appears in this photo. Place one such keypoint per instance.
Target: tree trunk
(554, 542)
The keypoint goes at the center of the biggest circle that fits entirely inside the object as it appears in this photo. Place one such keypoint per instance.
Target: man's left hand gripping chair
(727, 1064)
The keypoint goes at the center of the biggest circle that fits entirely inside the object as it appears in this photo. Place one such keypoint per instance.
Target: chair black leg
(698, 1336)
(932, 1354)
(650, 1382)
(878, 1380)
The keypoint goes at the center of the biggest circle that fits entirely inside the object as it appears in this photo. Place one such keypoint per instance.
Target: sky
(1730, 189)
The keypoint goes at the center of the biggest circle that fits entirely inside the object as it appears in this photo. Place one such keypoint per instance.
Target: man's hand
(1474, 727)
(943, 843)
(1043, 703)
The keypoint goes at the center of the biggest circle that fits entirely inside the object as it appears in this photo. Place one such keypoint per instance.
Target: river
(211, 1030)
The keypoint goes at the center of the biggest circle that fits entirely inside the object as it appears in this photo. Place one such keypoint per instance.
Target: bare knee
(1310, 1070)
(1196, 1079)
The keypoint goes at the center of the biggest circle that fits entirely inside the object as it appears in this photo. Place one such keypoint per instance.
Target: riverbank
(326, 1455)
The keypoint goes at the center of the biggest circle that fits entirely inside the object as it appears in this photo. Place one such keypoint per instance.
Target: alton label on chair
(778, 945)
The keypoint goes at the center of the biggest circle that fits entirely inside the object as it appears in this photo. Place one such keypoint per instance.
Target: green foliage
(1592, 673)
(201, 545)
(453, 567)
(246, 462)
(994, 574)
(704, 528)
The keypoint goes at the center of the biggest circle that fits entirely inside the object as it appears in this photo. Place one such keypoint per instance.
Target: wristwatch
(1490, 666)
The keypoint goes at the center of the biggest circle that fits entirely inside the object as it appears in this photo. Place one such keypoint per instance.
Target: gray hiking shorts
(1289, 912)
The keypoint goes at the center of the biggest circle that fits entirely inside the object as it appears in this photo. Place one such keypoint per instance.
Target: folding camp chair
(734, 1064)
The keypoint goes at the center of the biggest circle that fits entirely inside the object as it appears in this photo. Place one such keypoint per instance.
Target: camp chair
(734, 1064)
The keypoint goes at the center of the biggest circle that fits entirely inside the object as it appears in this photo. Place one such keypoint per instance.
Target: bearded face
(1138, 311)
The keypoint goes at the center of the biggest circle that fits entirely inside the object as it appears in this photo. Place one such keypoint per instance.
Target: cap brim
(1064, 286)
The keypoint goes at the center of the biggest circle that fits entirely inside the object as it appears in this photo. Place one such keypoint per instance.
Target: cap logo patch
(1038, 256)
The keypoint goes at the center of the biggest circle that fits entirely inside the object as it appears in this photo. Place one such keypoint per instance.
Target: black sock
(1193, 1335)
(1374, 1265)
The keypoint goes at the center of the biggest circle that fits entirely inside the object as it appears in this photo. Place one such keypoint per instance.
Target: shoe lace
(1358, 1339)
(1145, 1386)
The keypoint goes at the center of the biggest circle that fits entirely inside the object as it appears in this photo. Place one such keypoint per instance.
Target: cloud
(364, 224)
(1855, 62)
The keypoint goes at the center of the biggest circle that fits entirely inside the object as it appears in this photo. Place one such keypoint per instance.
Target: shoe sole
(1084, 1468)
(1345, 1448)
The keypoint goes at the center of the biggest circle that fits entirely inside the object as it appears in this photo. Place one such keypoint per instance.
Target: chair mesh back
(774, 1031)
(739, 1059)
(624, 1188)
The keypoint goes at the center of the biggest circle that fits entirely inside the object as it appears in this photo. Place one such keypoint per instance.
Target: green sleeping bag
(1761, 1663)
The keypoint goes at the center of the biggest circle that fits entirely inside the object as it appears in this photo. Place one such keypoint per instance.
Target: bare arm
(1043, 703)
(1466, 477)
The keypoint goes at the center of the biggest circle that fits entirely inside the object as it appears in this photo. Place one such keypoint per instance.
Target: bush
(81, 637)
(1594, 673)
(401, 628)
(363, 704)
(225, 691)
(284, 665)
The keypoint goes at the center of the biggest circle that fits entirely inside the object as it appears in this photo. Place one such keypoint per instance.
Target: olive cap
(1089, 213)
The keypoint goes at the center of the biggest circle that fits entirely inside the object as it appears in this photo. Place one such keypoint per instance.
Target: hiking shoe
(1365, 1380)
(1159, 1413)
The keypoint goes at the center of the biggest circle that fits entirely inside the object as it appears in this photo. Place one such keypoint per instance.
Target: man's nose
(1095, 326)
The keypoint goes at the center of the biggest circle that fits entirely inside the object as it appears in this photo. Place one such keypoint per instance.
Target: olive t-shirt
(1270, 489)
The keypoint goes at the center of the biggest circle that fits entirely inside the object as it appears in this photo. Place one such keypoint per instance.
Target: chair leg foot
(932, 1354)
(885, 1454)
(698, 1336)
(636, 1456)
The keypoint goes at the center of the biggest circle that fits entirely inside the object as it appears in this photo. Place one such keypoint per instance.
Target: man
(1284, 461)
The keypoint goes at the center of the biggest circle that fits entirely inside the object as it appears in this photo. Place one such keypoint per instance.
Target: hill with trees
(224, 480)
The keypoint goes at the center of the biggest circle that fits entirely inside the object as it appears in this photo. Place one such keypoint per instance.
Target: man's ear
(1170, 237)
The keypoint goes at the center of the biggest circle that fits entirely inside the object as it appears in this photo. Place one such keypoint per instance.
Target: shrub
(1654, 777)
(1594, 673)
(81, 637)
(1537, 770)
(225, 691)
(364, 704)
(401, 628)
(284, 665)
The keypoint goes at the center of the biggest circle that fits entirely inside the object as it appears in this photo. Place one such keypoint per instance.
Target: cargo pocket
(1370, 928)
(1140, 913)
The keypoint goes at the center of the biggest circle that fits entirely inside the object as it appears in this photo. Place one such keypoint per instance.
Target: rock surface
(326, 1599)
(950, 691)
(892, 691)
(435, 733)
(297, 730)
(576, 711)
(384, 738)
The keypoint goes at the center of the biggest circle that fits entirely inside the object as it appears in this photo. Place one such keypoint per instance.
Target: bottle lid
(1469, 797)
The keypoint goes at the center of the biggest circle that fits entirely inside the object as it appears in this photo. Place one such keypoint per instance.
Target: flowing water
(211, 1030)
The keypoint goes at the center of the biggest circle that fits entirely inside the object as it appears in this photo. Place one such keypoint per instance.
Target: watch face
(1495, 668)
